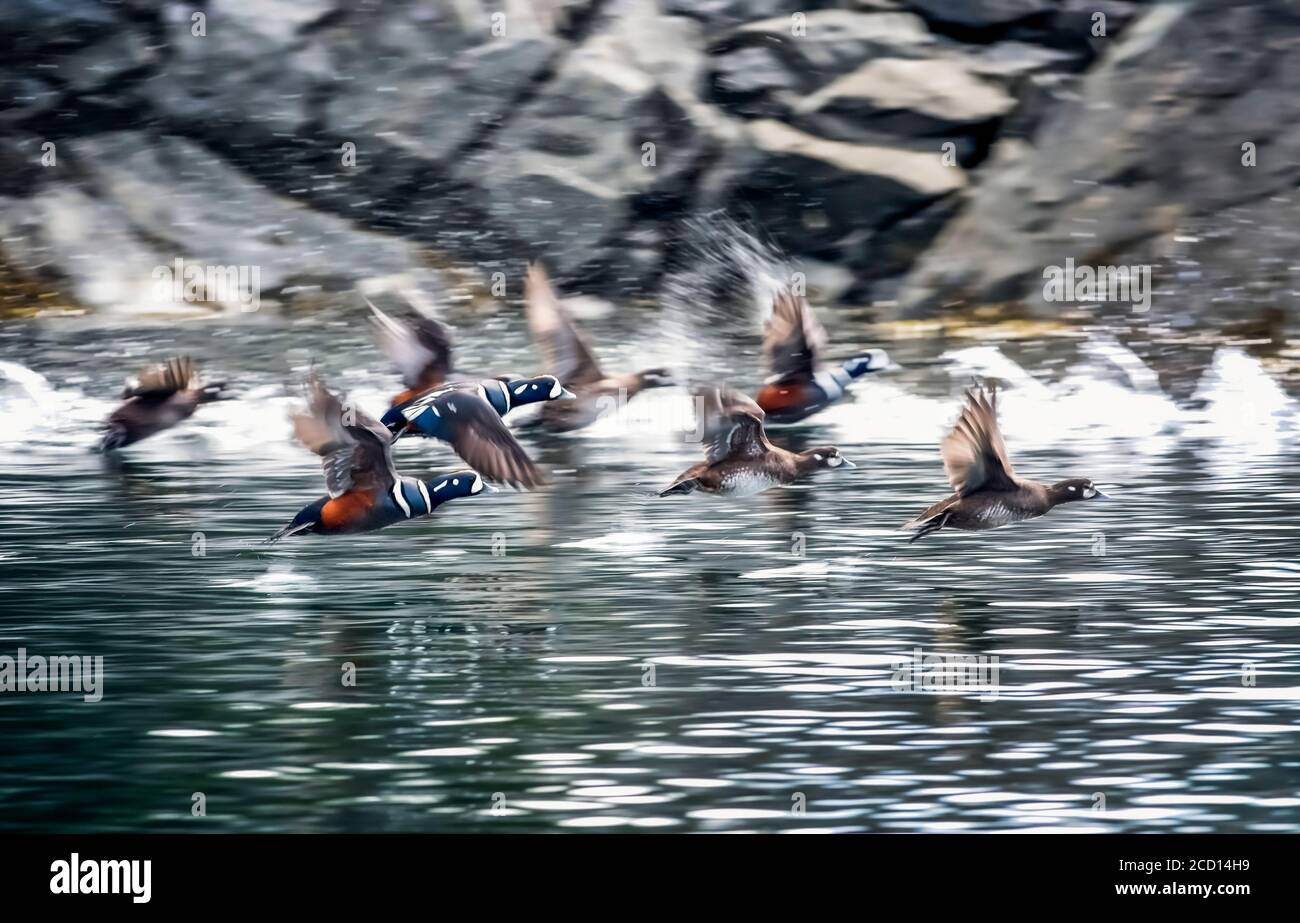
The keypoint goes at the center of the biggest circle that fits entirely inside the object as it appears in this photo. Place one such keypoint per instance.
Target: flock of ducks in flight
(366, 492)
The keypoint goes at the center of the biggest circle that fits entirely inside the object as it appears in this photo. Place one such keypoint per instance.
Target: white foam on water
(1109, 394)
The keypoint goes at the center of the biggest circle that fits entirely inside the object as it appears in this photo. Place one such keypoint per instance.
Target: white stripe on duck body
(569, 354)
(798, 386)
(467, 416)
(365, 490)
(740, 460)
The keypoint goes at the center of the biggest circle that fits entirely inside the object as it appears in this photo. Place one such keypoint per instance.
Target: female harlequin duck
(988, 492)
(467, 416)
(797, 388)
(157, 399)
(569, 355)
(420, 348)
(740, 460)
(365, 490)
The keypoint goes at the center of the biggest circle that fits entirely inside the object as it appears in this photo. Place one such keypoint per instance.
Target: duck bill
(566, 395)
(847, 463)
(1100, 494)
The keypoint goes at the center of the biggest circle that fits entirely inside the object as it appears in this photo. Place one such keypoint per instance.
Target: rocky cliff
(938, 153)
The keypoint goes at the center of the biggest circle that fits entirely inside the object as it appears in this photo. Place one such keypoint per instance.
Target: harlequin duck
(797, 388)
(156, 399)
(365, 490)
(467, 416)
(569, 355)
(988, 492)
(740, 460)
(420, 347)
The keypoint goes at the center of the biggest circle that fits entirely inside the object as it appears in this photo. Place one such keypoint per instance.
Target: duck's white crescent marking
(424, 492)
(505, 391)
(401, 501)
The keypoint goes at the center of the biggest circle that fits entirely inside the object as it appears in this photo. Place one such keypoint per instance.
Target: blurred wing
(162, 381)
(794, 338)
(421, 350)
(354, 447)
(569, 355)
(973, 453)
(477, 434)
(732, 425)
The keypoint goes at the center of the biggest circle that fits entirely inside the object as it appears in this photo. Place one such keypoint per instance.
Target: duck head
(214, 391)
(826, 456)
(532, 390)
(457, 484)
(873, 360)
(1072, 489)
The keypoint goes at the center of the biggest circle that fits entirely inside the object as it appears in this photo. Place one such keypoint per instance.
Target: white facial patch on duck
(521, 389)
(835, 461)
(477, 486)
(557, 389)
(1088, 492)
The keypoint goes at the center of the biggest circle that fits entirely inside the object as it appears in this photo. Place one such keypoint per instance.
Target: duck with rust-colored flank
(156, 399)
(798, 386)
(419, 346)
(739, 459)
(365, 490)
(989, 494)
(569, 355)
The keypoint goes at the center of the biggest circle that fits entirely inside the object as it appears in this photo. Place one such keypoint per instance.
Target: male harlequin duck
(467, 416)
(365, 490)
(569, 355)
(988, 492)
(157, 399)
(797, 388)
(740, 460)
(420, 348)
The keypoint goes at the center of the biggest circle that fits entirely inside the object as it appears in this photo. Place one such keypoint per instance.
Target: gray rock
(980, 13)
(616, 129)
(1151, 147)
(940, 93)
(145, 201)
(427, 91)
(831, 200)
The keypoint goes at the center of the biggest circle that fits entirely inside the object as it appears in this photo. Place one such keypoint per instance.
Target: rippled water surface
(592, 657)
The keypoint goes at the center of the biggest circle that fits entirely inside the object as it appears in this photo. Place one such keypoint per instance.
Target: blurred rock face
(940, 153)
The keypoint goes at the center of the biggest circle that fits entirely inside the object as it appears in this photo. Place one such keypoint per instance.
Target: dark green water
(509, 691)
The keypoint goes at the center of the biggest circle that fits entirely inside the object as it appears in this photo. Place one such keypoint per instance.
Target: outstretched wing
(732, 425)
(793, 340)
(159, 382)
(567, 351)
(420, 347)
(478, 435)
(353, 446)
(974, 454)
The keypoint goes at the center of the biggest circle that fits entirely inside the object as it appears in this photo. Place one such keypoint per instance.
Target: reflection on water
(626, 662)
